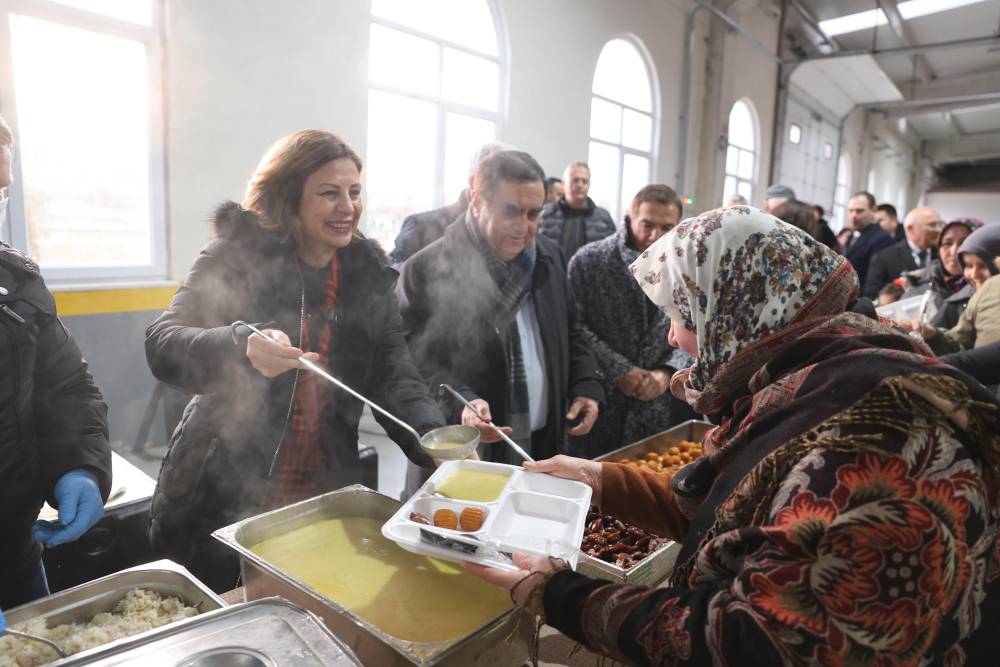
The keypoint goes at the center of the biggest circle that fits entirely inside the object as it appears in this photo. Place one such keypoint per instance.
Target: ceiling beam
(978, 146)
(986, 40)
(902, 30)
(940, 107)
(821, 40)
(925, 105)
(954, 86)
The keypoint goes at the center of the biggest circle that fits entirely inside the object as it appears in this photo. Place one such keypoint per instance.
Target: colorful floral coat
(865, 534)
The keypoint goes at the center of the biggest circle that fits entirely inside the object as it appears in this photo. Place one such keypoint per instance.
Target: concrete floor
(391, 460)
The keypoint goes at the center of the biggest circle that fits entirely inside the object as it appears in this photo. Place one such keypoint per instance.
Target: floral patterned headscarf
(746, 283)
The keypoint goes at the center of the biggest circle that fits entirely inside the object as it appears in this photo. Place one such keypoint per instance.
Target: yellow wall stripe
(95, 302)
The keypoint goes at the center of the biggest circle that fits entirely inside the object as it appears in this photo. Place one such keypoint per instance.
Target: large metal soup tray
(654, 568)
(501, 642)
(81, 603)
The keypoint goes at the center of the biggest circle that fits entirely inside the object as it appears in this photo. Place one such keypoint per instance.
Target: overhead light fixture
(871, 18)
(916, 8)
(853, 22)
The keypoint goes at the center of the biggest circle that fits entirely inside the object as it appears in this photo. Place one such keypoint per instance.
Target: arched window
(741, 152)
(841, 193)
(623, 118)
(435, 72)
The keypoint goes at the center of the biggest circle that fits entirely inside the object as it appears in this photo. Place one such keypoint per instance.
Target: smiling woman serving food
(260, 432)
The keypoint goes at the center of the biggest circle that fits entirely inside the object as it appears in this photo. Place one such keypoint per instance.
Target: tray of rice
(270, 632)
(105, 611)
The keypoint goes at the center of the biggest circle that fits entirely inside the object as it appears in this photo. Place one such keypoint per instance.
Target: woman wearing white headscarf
(846, 509)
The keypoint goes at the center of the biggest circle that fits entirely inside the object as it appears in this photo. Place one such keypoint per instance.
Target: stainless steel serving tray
(265, 633)
(502, 642)
(654, 568)
(81, 603)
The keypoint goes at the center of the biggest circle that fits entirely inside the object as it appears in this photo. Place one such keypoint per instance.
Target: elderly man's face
(576, 182)
(860, 213)
(508, 218)
(924, 228)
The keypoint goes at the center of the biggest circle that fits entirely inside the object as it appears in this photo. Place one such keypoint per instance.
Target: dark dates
(613, 541)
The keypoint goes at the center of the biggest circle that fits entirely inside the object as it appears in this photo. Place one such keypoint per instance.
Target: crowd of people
(846, 510)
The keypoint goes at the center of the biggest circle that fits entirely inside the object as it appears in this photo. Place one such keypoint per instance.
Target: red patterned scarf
(296, 476)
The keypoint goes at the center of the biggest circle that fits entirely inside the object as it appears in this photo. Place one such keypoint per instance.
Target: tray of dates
(616, 551)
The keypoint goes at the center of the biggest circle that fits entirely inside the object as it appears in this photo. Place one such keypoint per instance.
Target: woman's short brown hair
(275, 188)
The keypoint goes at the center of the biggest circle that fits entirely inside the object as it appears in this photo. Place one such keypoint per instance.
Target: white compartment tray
(534, 512)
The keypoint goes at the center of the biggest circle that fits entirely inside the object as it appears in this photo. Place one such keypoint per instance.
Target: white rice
(140, 610)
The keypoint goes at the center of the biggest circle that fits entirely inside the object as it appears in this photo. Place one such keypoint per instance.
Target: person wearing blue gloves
(53, 424)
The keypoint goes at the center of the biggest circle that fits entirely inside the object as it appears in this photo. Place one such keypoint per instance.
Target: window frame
(654, 115)
(754, 152)
(444, 106)
(841, 192)
(151, 37)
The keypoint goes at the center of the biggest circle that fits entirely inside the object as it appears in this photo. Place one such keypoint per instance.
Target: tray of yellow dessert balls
(483, 512)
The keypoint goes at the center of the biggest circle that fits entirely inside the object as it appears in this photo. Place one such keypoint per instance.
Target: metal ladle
(469, 436)
(513, 445)
(35, 638)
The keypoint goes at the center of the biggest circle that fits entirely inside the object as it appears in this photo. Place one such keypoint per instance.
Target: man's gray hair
(485, 150)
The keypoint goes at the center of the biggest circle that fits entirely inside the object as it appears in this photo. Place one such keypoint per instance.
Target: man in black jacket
(923, 229)
(53, 425)
(488, 310)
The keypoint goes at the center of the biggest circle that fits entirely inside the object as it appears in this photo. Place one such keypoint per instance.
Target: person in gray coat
(627, 332)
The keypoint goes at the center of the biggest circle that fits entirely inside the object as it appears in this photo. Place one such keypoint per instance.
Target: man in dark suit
(868, 237)
(923, 229)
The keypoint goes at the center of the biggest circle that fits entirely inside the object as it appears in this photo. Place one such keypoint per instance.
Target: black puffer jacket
(574, 228)
(220, 457)
(52, 417)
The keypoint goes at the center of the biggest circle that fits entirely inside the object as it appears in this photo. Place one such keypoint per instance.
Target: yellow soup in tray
(482, 487)
(411, 597)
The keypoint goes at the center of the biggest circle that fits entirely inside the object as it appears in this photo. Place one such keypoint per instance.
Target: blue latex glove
(3, 623)
(80, 507)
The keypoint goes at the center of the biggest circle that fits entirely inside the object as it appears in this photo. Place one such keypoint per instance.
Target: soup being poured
(414, 598)
(473, 485)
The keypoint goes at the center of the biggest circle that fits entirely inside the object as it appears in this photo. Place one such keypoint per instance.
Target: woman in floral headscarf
(846, 509)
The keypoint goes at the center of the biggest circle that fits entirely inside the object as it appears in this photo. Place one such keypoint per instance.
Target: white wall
(878, 149)
(241, 74)
(982, 204)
